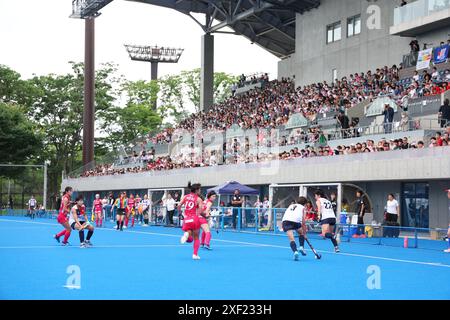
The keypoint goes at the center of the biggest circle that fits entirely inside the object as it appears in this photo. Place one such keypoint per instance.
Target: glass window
(337, 32)
(334, 32)
(353, 26)
(415, 206)
(330, 35)
(358, 25)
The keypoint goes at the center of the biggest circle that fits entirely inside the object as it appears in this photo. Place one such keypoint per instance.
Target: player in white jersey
(326, 216)
(293, 220)
(78, 221)
(32, 204)
(144, 206)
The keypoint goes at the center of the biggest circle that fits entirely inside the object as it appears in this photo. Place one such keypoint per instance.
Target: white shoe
(184, 238)
(124, 227)
(195, 257)
(83, 245)
(447, 251)
(115, 227)
(145, 225)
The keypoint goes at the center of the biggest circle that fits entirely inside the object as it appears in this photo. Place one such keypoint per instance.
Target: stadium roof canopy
(268, 23)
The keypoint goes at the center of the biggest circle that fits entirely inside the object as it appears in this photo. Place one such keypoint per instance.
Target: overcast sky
(38, 37)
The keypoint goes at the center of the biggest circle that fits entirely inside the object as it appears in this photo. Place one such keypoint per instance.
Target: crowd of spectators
(271, 107)
(238, 154)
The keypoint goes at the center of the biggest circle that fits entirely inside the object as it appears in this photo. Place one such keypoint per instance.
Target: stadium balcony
(420, 16)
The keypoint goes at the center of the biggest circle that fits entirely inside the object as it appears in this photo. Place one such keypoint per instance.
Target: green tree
(58, 111)
(191, 85)
(20, 142)
(222, 86)
(14, 89)
(172, 104)
(137, 119)
(141, 92)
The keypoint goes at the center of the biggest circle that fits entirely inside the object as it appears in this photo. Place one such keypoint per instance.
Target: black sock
(293, 246)
(333, 240)
(89, 235)
(121, 225)
(118, 224)
(302, 241)
(81, 233)
(146, 221)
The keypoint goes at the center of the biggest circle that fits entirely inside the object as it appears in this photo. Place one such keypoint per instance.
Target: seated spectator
(310, 213)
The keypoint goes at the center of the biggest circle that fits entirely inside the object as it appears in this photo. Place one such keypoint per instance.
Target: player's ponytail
(67, 190)
(194, 187)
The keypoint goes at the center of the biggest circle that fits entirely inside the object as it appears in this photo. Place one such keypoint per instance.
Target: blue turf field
(150, 263)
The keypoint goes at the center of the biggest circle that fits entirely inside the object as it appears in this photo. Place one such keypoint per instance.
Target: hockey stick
(316, 254)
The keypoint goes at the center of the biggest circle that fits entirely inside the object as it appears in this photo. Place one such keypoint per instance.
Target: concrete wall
(314, 59)
(286, 68)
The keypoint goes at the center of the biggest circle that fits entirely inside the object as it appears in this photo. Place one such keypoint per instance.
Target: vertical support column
(154, 66)
(207, 73)
(339, 202)
(44, 201)
(154, 77)
(89, 91)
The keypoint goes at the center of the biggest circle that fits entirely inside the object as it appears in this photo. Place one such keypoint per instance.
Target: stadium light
(82, 9)
(154, 53)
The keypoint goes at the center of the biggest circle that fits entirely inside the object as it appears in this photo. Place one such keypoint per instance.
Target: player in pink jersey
(64, 210)
(204, 222)
(97, 208)
(191, 224)
(130, 211)
(137, 203)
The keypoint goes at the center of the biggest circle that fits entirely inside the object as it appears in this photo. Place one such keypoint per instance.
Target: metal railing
(269, 221)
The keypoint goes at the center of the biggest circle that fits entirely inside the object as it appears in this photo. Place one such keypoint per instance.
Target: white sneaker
(83, 245)
(447, 251)
(145, 225)
(124, 227)
(195, 257)
(184, 238)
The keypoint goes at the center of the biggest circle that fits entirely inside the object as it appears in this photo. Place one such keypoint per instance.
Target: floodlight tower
(154, 55)
(88, 10)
